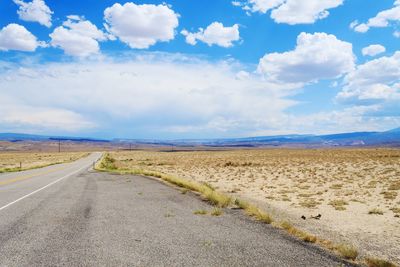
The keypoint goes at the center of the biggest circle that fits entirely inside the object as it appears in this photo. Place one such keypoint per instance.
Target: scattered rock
(316, 217)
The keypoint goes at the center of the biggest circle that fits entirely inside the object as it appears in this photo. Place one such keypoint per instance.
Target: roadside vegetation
(374, 262)
(219, 200)
(205, 190)
(20, 161)
(200, 212)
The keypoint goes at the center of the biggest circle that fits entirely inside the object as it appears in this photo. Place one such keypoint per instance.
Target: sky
(199, 69)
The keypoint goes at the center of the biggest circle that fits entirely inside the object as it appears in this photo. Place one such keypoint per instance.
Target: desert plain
(348, 196)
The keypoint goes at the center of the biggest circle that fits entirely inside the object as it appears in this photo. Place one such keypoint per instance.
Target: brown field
(356, 191)
(12, 161)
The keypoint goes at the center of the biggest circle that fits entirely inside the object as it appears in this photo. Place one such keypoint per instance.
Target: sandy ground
(11, 161)
(356, 191)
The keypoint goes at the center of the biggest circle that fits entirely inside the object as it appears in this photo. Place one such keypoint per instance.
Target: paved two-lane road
(70, 215)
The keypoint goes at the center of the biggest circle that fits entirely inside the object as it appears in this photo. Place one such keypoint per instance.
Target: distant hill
(388, 138)
(15, 137)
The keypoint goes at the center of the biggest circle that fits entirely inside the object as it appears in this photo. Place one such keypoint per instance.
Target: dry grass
(200, 212)
(258, 214)
(218, 199)
(347, 251)
(254, 211)
(297, 233)
(374, 262)
(375, 211)
(216, 212)
(11, 162)
(339, 204)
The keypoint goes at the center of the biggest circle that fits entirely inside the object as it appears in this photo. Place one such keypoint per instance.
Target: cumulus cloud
(187, 93)
(214, 34)
(376, 81)
(36, 11)
(373, 50)
(141, 26)
(189, 97)
(381, 20)
(17, 37)
(77, 37)
(291, 11)
(316, 56)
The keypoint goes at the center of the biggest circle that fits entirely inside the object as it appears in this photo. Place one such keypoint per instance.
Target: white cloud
(122, 97)
(17, 37)
(373, 82)
(360, 28)
(141, 26)
(317, 56)
(41, 119)
(381, 20)
(373, 50)
(356, 118)
(36, 11)
(292, 11)
(186, 93)
(261, 6)
(77, 37)
(214, 34)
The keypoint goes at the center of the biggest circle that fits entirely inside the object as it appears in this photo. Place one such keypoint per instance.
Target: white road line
(44, 187)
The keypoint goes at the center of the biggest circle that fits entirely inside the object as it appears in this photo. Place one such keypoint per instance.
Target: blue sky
(199, 69)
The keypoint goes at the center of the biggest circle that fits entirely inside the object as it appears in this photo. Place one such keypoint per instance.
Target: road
(70, 215)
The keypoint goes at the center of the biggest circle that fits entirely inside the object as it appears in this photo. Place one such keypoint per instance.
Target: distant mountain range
(18, 137)
(358, 139)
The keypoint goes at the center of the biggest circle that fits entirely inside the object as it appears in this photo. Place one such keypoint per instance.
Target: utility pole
(59, 145)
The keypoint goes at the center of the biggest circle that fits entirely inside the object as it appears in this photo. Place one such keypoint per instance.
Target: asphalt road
(69, 215)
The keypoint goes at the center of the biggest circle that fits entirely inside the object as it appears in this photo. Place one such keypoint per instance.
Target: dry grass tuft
(375, 211)
(241, 204)
(339, 204)
(374, 262)
(347, 251)
(216, 198)
(200, 212)
(108, 162)
(306, 237)
(216, 212)
(258, 214)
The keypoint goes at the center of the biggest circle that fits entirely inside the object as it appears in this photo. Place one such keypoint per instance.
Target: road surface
(70, 215)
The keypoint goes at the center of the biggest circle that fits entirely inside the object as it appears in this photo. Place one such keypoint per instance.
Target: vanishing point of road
(70, 215)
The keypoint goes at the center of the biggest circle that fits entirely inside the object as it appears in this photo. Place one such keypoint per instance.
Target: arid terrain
(15, 161)
(355, 191)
